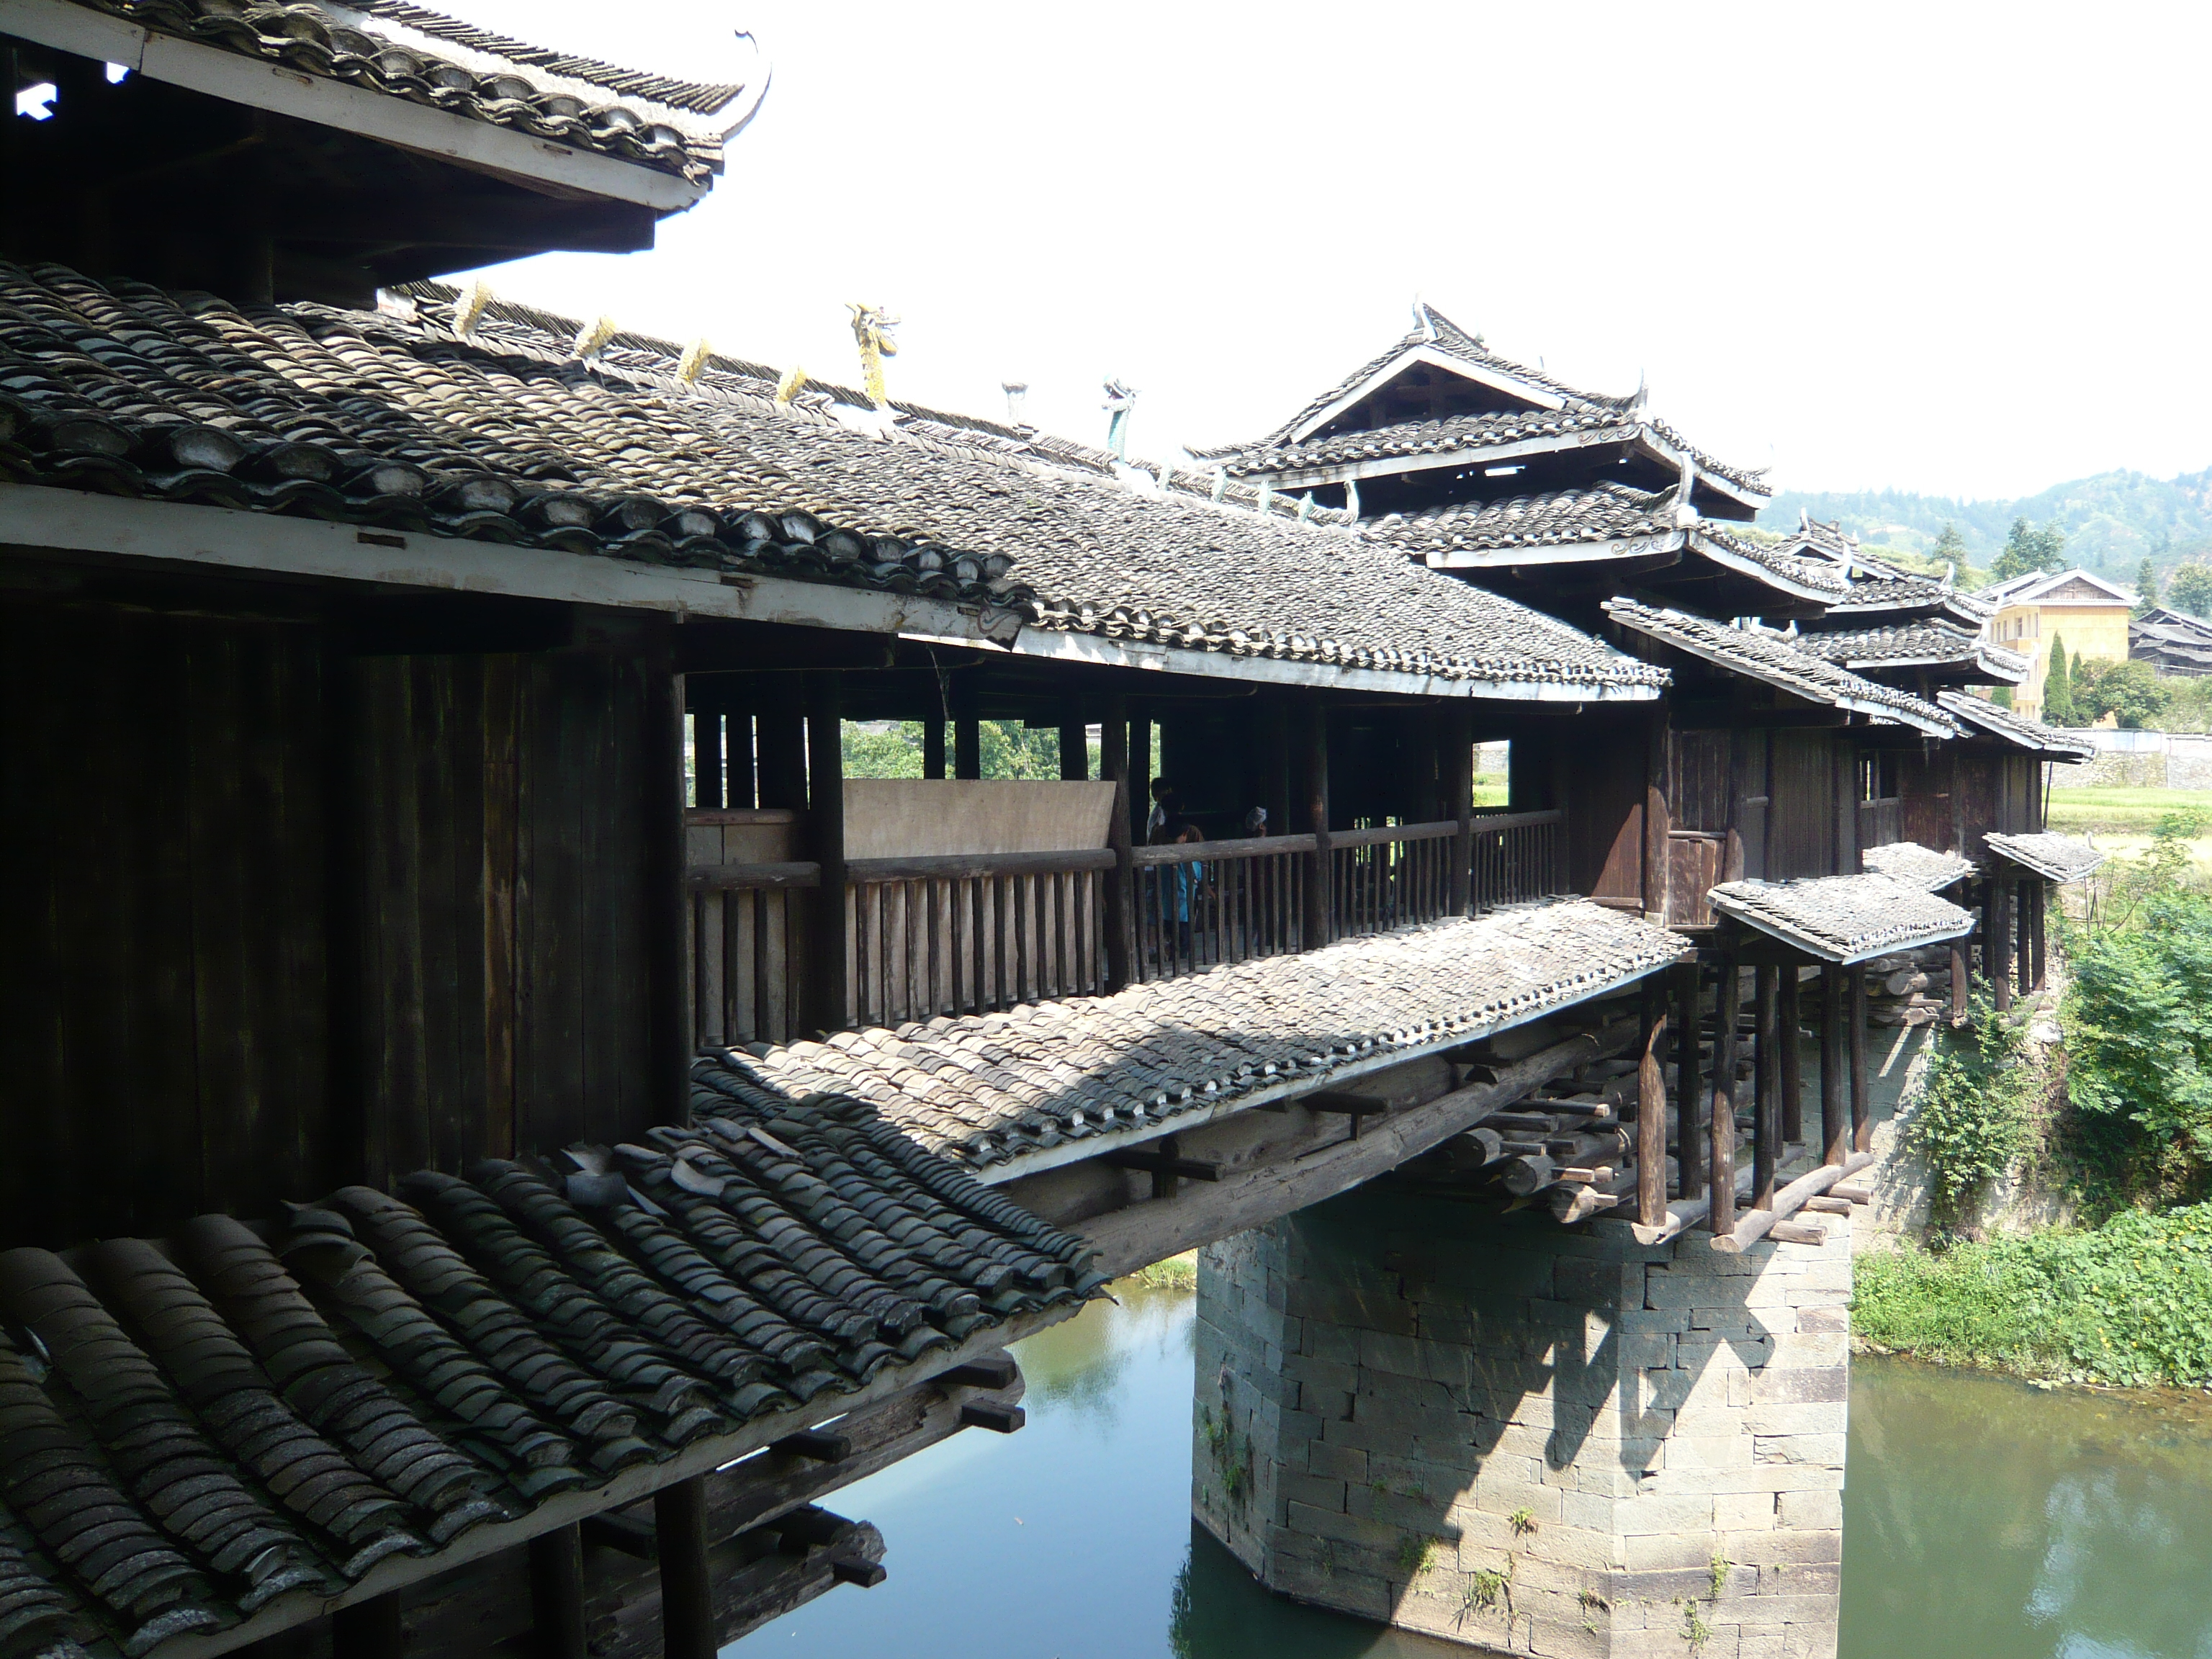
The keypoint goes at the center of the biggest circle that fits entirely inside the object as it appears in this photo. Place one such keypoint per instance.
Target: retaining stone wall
(1526, 1439)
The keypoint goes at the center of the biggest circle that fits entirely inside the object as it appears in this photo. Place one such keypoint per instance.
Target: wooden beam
(816, 1446)
(707, 758)
(1074, 744)
(1757, 1223)
(1161, 1164)
(1766, 1112)
(1792, 1016)
(1796, 1232)
(557, 1593)
(1120, 918)
(1720, 1215)
(828, 957)
(1958, 981)
(687, 1593)
(1835, 1122)
(967, 730)
(1688, 1090)
(1652, 1106)
(1861, 1111)
(933, 746)
(2041, 936)
(1458, 724)
(1997, 945)
(369, 1630)
(1313, 720)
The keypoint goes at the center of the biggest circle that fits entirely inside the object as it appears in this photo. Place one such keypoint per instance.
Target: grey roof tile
(1930, 643)
(1843, 919)
(1043, 1075)
(1915, 866)
(1780, 661)
(408, 51)
(2060, 858)
(1980, 715)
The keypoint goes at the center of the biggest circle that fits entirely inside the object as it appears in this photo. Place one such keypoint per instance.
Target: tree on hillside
(2029, 548)
(2058, 689)
(2189, 587)
(2131, 692)
(2146, 587)
(1950, 547)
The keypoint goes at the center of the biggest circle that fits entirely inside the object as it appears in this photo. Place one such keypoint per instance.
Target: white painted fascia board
(41, 517)
(283, 90)
(1097, 650)
(1090, 1146)
(1498, 558)
(1420, 352)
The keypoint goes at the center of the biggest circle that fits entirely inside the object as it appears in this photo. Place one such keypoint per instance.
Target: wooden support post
(1998, 946)
(827, 961)
(783, 746)
(1989, 930)
(1835, 1124)
(1313, 722)
(1792, 1015)
(1861, 1112)
(1074, 744)
(738, 785)
(687, 1598)
(1120, 918)
(369, 1630)
(1458, 724)
(1652, 883)
(1689, 1156)
(933, 747)
(1958, 982)
(706, 758)
(556, 1593)
(1140, 771)
(1720, 1213)
(1651, 1108)
(1766, 1113)
(671, 1011)
(2024, 933)
(967, 732)
(2040, 937)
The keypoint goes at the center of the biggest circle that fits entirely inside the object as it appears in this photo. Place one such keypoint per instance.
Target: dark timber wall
(275, 918)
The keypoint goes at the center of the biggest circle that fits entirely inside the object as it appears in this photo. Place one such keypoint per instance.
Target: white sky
(1957, 249)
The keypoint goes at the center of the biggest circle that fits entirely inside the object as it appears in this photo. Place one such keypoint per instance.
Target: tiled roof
(1779, 660)
(2061, 858)
(2172, 639)
(2046, 740)
(408, 51)
(1459, 433)
(1913, 644)
(1438, 333)
(1843, 919)
(192, 1432)
(988, 1089)
(1616, 515)
(506, 436)
(1915, 866)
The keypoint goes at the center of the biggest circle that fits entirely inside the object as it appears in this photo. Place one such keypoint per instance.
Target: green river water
(1984, 1519)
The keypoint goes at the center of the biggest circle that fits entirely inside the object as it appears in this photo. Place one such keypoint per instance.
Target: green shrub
(2128, 1304)
(1973, 1115)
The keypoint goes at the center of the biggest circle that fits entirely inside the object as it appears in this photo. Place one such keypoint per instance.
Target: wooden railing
(966, 933)
(962, 934)
(1517, 857)
(1200, 905)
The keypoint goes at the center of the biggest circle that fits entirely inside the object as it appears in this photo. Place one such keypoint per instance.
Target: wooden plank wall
(1800, 836)
(164, 1027)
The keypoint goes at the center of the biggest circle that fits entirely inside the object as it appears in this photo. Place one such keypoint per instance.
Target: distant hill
(2111, 520)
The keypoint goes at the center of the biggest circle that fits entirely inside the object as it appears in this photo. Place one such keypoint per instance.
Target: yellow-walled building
(2087, 612)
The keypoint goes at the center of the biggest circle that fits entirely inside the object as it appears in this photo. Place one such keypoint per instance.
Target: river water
(1984, 1519)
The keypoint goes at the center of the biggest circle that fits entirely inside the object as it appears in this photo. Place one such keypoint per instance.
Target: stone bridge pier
(1528, 1439)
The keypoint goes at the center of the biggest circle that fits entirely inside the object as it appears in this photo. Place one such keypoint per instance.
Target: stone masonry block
(1812, 1511)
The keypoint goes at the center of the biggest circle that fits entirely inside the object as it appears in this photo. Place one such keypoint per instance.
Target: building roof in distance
(240, 1425)
(2069, 588)
(414, 55)
(510, 436)
(2060, 858)
(1782, 661)
(1051, 1082)
(1928, 644)
(1915, 866)
(1982, 716)
(1843, 919)
(2173, 640)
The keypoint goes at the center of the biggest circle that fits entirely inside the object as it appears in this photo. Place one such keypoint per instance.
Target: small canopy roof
(1982, 717)
(1915, 866)
(1930, 648)
(1843, 919)
(2058, 857)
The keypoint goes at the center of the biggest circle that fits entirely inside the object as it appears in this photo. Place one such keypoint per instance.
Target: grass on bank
(2128, 1304)
(1176, 1273)
(2121, 809)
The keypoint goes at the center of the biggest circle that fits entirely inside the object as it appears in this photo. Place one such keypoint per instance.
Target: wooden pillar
(825, 757)
(687, 1599)
(1140, 772)
(1999, 946)
(1958, 982)
(1835, 1124)
(707, 758)
(1122, 880)
(967, 732)
(1988, 930)
(1313, 721)
(1766, 1112)
(1652, 884)
(556, 1593)
(1721, 1173)
(670, 1009)
(369, 1630)
(738, 785)
(1458, 726)
(1792, 1016)
(1651, 1108)
(1074, 744)
(933, 747)
(2024, 928)
(1862, 1112)
(1275, 766)
(783, 745)
(2039, 936)
(1689, 1154)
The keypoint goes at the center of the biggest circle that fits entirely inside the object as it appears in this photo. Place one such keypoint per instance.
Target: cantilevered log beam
(1757, 1223)
(1652, 1106)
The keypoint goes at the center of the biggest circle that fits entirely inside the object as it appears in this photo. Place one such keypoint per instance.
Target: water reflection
(1984, 1520)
